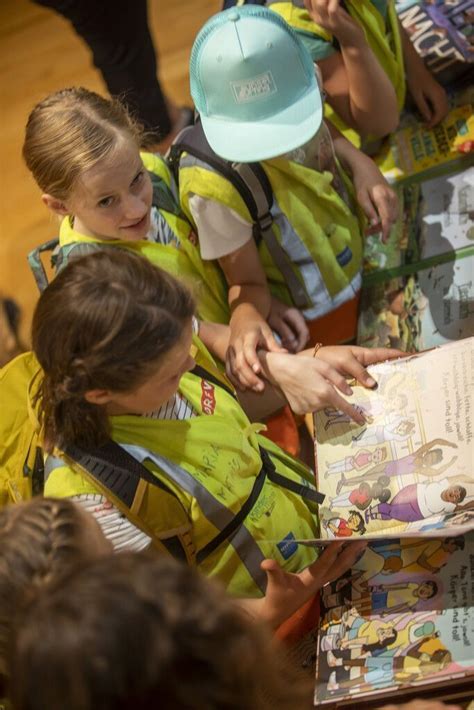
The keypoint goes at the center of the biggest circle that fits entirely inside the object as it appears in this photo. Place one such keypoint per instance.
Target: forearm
(252, 297)
(369, 90)
(215, 337)
(347, 154)
(413, 61)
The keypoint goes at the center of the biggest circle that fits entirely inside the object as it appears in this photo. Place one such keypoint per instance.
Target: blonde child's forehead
(122, 157)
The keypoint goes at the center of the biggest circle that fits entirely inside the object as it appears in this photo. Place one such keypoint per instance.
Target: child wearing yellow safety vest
(367, 62)
(122, 368)
(254, 85)
(84, 153)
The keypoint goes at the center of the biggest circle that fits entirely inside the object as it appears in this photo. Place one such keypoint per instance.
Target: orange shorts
(301, 622)
(337, 327)
(283, 430)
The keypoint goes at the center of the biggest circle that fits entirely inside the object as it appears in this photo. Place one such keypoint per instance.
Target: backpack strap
(36, 265)
(163, 197)
(121, 474)
(251, 182)
(59, 257)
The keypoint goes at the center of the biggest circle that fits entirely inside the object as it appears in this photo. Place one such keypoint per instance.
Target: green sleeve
(318, 47)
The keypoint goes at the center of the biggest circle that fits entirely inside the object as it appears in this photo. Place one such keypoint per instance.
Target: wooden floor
(39, 53)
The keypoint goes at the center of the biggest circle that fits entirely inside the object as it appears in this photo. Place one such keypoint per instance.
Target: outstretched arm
(430, 444)
(353, 79)
(287, 592)
(373, 193)
(311, 383)
(433, 472)
(429, 96)
(465, 506)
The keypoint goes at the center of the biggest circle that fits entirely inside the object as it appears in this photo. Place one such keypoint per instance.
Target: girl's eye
(105, 202)
(137, 177)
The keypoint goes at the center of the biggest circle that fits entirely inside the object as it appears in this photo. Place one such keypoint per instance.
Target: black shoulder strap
(120, 473)
(252, 183)
(192, 140)
(115, 469)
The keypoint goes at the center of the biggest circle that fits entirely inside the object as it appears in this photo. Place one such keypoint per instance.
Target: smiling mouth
(138, 223)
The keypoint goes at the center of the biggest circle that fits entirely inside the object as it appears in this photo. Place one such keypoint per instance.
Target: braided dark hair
(103, 322)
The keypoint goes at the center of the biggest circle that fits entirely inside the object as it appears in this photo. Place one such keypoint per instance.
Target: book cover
(441, 33)
(416, 152)
(417, 311)
(401, 620)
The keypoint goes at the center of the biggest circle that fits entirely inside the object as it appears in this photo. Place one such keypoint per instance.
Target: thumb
(275, 574)
(269, 342)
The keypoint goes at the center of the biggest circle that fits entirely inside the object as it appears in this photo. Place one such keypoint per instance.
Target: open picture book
(402, 620)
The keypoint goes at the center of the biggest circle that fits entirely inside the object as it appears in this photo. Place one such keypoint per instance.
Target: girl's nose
(134, 207)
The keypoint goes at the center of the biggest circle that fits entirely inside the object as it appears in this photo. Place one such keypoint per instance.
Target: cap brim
(249, 142)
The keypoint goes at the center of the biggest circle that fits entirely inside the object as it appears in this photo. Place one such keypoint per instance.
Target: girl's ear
(55, 205)
(98, 397)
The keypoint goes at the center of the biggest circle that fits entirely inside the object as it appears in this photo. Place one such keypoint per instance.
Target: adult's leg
(118, 35)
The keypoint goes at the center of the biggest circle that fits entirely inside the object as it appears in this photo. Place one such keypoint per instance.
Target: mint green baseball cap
(254, 85)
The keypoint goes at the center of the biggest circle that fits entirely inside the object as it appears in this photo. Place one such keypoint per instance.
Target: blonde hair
(39, 541)
(68, 133)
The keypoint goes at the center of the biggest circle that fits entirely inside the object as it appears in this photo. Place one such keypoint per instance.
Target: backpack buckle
(265, 221)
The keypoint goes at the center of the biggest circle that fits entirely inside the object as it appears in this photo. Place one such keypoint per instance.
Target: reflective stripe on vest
(242, 541)
(301, 258)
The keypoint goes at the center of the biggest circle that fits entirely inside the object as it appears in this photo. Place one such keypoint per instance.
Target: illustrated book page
(409, 468)
(402, 618)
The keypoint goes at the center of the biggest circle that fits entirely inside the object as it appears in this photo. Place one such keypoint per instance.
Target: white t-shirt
(222, 231)
(429, 498)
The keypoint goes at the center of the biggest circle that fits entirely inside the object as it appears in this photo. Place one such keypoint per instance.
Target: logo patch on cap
(255, 88)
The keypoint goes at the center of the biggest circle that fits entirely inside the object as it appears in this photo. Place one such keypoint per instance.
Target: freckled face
(113, 199)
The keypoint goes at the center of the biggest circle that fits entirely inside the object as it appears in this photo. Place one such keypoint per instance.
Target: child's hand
(290, 325)
(312, 383)
(287, 592)
(374, 195)
(429, 96)
(335, 19)
(351, 360)
(242, 362)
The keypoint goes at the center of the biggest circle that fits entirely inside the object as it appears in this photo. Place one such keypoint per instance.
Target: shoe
(332, 684)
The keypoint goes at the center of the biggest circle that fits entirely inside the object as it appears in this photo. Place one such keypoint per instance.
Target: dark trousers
(118, 35)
